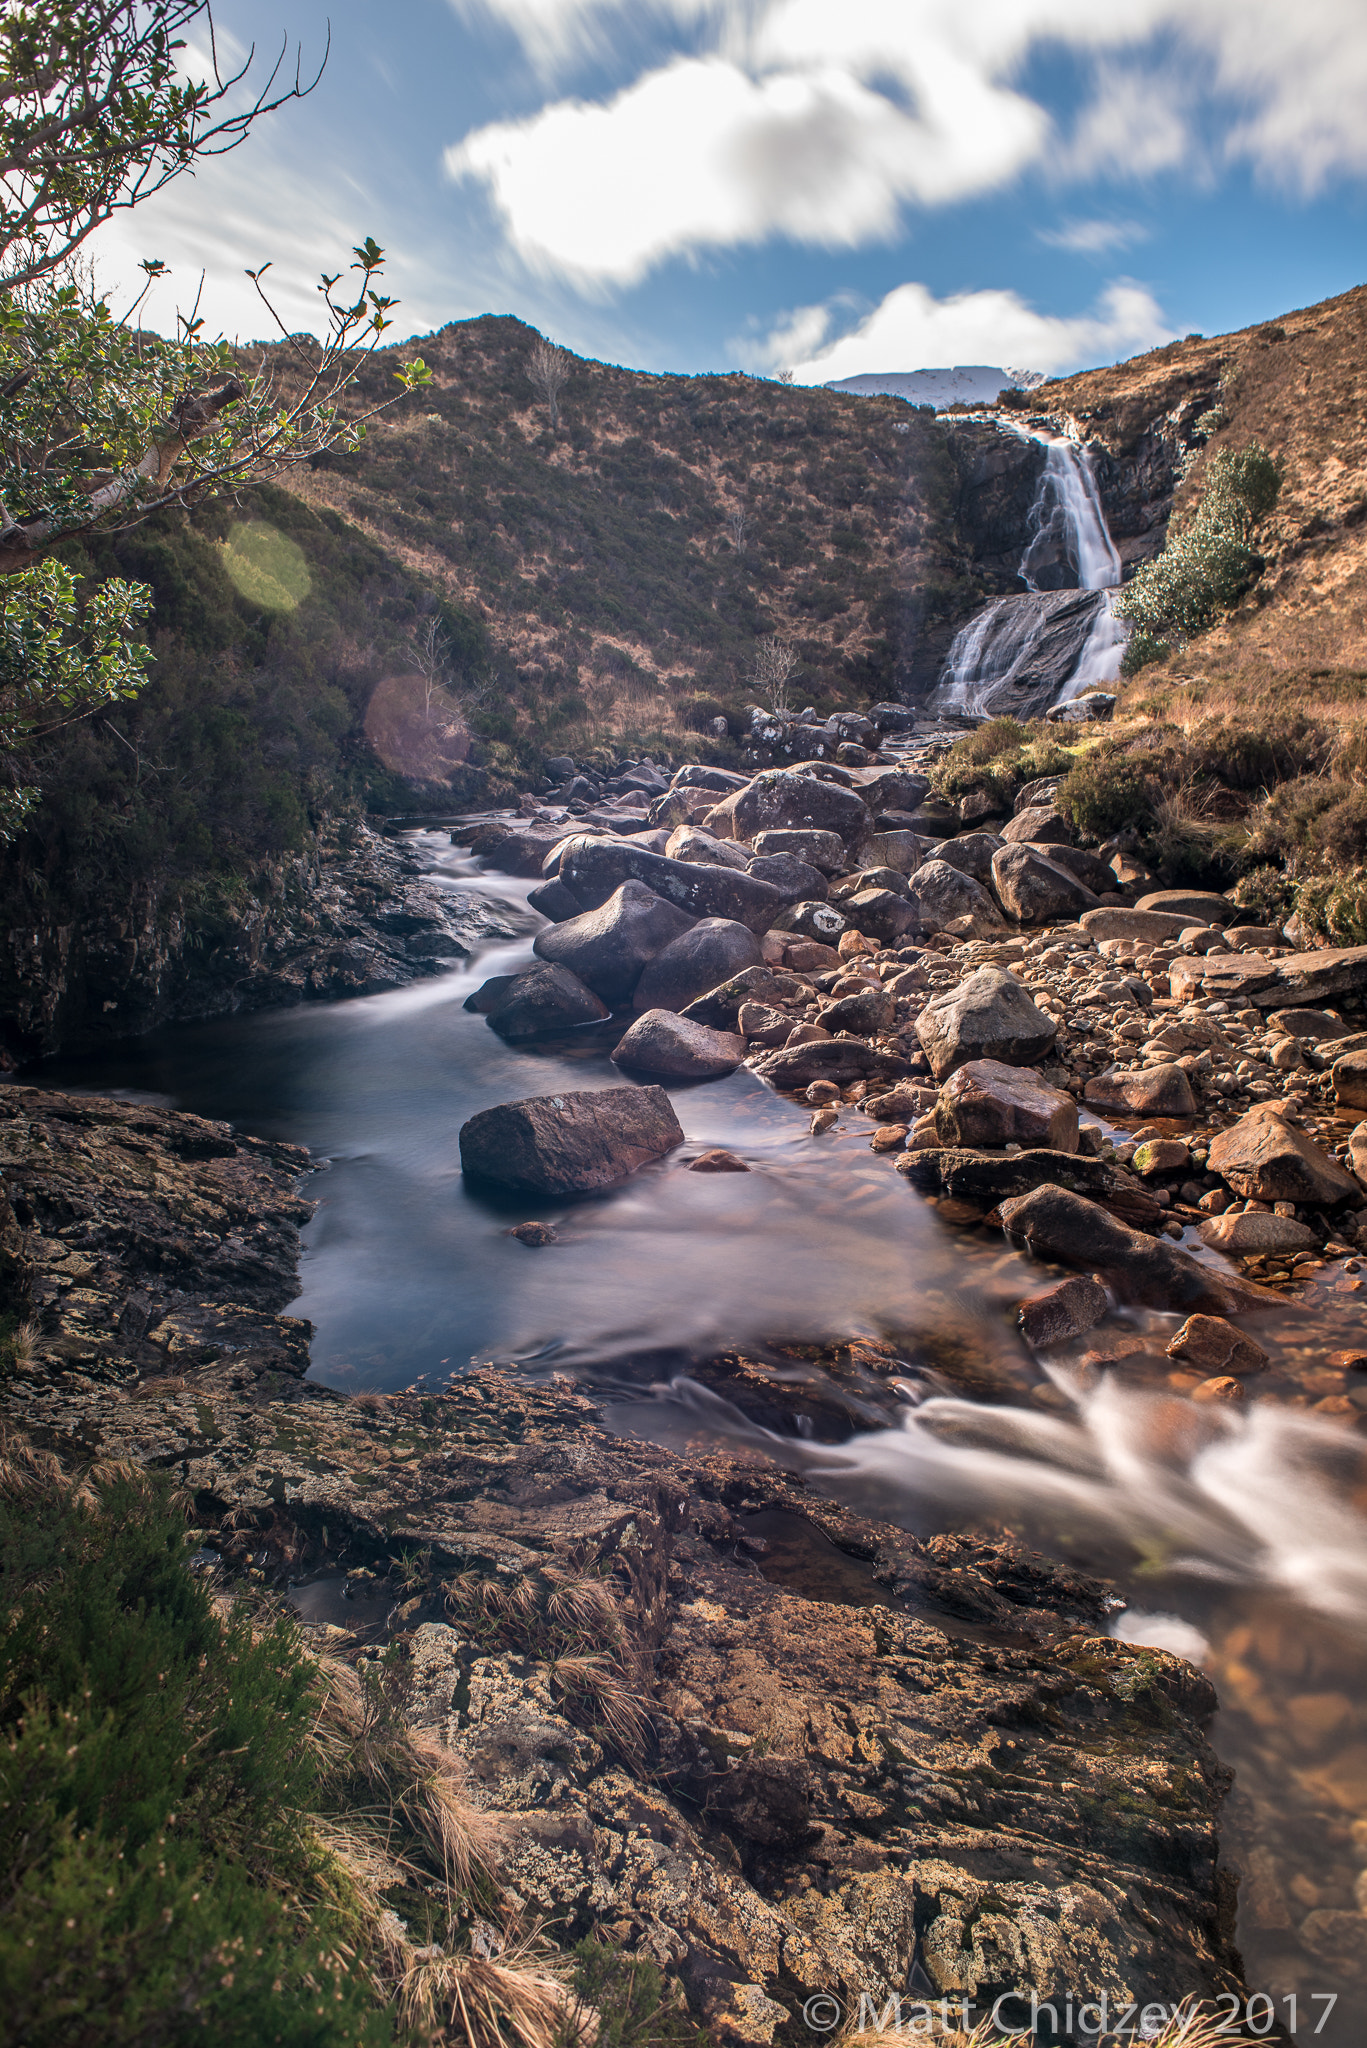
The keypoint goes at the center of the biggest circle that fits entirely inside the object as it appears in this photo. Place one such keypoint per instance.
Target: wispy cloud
(1094, 237)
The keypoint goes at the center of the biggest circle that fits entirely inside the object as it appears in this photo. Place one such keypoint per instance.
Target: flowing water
(1240, 1537)
(1018, 649)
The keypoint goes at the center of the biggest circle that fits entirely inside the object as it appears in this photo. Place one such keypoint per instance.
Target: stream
(1238, 1536)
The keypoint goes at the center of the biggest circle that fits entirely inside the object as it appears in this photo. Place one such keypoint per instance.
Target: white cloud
(822, 123)
(1094, 237)
(912, 330)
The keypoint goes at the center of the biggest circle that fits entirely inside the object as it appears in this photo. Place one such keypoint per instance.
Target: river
(1239, 1537)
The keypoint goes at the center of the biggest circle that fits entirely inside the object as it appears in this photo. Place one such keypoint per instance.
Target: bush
(1334, 907)
(1267, 893)
(1106, 792)
(1000, 755)
(1208, 565)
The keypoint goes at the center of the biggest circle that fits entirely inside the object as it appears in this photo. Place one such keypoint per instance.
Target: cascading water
(1025, 653)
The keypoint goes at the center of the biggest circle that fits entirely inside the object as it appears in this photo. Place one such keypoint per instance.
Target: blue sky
(827, 186)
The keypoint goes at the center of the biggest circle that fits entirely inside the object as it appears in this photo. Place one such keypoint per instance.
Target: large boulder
(1266, 1159)
(899, 849)
(989, 1104)
(569, 1144)
(1073, 1231)
(870, 878)
(545, 999)
(593, 869)
(796, 880)
(709, 952)
(720, 1006)
(819, 921)
(1145, 927)
(893, 789)
(1040, 825)
(989, 1016)
(608, 948)
(690, 842)
(1035, 890)
(1197, 906)
(515, 848)
(940, 893)
(696, 776)
(780, 799)
(1088, 868)
(989, 1178)
(553, 900)
(677, 1049)
(971, 853)
(1271, 982)
(824, 850)
(884, 915)
(1143, 1091)
(830, 1059)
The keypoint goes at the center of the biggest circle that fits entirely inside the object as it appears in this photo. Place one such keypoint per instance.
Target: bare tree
(738, 526)
(548, 369)
(431, 657)
(773, 672)
(785, 376)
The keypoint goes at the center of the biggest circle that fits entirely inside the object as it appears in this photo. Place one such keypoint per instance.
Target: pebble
(1223, 1388)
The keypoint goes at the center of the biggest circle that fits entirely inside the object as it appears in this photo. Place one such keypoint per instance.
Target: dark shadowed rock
(554, 900)
(594, 869)
(517, 849)
(987, 1103)
(661, 1042)
(720, 1006)
(797, 881)
(939, 893)
(824, 850)
(990, 1177)
(710, 952)
(1042, 826)
(780, 800)
(1197, 906)
(989, 1016)
(866, 1014)
(1034, 889)
(1062, 1311)
(1075, 1232)
(884, 915)
(1143, 1091)
(971, 853)
(609, 947)
(695, 776)
(489, 994)
(569, 1144)
(1266, 1160)
(819, 921)
(544, 999)
(1087, 868)
(830, 1059)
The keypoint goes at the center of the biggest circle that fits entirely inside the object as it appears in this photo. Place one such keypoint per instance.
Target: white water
(996, 646)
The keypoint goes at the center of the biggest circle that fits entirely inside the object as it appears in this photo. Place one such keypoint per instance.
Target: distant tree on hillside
(772, 675)
(549, 368)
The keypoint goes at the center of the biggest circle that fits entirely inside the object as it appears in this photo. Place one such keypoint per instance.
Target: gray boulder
(989, 1016)
(1035, 890)
(866, 1014)
(690, 842)
(819, 921)
(1087, 868)
(708, 953)
(893, 789)
(594, 869)
(677, 1049)
(569, 1144)
(940, 893)
(609, 947)
(1075, 1232)
(1041, 825)
(989, 1104)
(971, 853)
(795, 880)
(824, 850)
(902, 850)
(779, 799)
(884, 915)
(544, 999)
(553, 900)
(720, 1006)
(870, 878)
(696, 776)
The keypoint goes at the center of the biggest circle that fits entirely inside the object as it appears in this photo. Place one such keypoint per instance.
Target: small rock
(824, 1119)
(1253, 1232)
(989, 1016)
(939, 893)
(1209, 1344)
(533, 1233)
(1312, 1024)
(900, 1104)
(888, 1138)
(1349, 1076)
(1215, 1202)
(1161, 1155)
(718, 1160)
(1221, 1389)
(758, 1024)
(1144, 1091)
(1286, 1056)
(677, 1049)
(823, 1092)
(1264, 1157)
(872, 1011)
(854, 946)
(1062, 1311)
(819, 921)
(1042, 824)
(987, 1104)
(883, 915)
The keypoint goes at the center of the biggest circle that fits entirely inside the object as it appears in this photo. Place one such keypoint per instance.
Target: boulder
(1091, 707)
(696, 776)
(690, 842)
(797, 881)
(677, 1049)
(593, 869)
(681, 807)
(940, 893)
(1146, 927)
(893, 717)
(544, 999)
(569, 1144)
(989, 1104)
(1087, 868)
(884, 915)
(988, 1016)
(1143, 1091)
(870, 878)
(1255, 1231)
(824, 850)
(1037, 795)
(702, 957)
(553, 900)
(1197, 906)
(514, 848)
(1062, 1311)
(893, 789)
(550, 865)
(992, 1177)
(1036, 890)
(1311, 1024)
(1069, 1229)
(866, 1014)
(1161, 1155)
(830, 1059)
(1042, 826)
(1209, 1344)
(933, 819)
(782, 800)
(1270, 983)
(489, 994)
(902, 851)
(1267, 1160)
(761, 1024)
(609, 948)
(819, 921)
(719, 1006)
(971, 853)
(1349, 1076)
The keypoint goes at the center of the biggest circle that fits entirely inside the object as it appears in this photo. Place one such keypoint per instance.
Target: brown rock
(1058, 1225)
(1263, 1157)
(1143, 1091)
(988, 1104)
(1146, 926)
(569, 1144)
(718, 1160)
(1161, 1155)
(760, 1024)
(1063, 1311)
(1211, 1345)
(1195, 906)
(1221, 1389)
(1349, 1076)
(830, 1059)
(1256, 1232)
(661, 1042)
(888, 1138)
(988, 1016)
(534, 1234)
(1041, 824)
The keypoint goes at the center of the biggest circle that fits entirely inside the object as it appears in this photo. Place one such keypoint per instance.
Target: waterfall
(1051, 644)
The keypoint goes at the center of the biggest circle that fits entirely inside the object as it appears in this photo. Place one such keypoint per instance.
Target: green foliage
(1267, 893)
(999, 755)
(1333, 907)
(159, 1886)
(1208, 565)
(1106, 792)
(637, 2007)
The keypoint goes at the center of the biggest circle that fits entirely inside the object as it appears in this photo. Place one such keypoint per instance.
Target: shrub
(1245, 755)
(1208, 565)
(1106, 792)
(999, 755)
(1266, 892)
(1335, 907)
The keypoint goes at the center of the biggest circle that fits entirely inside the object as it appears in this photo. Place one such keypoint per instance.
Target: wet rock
(1063, 1311)
(569, 1144)
(1255, 1231)
(1035, 890)
(823, 1119)
(535, 1235)
(971, 853)
(1267, 1160)
(1209, 1344)
(902, 1104)
(543, 1000)
(688, 843)
(822, 850)
(1161, 1155)
(1075, 1232)
(699, 960)
(940, 893)
(797, 881)
(990, 1177)
(1197, 906)
(986, 1104)
(869, 1012)
(884, 915)
(489, 994)
(610, 947)
(718, 1160)
(1222, 1389)
(989, 1016)
(595, 869)
(1042, 826)
(1143, 1091)
(781, 800)
(677, 1049)
(820, 921)
(830, 1059)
